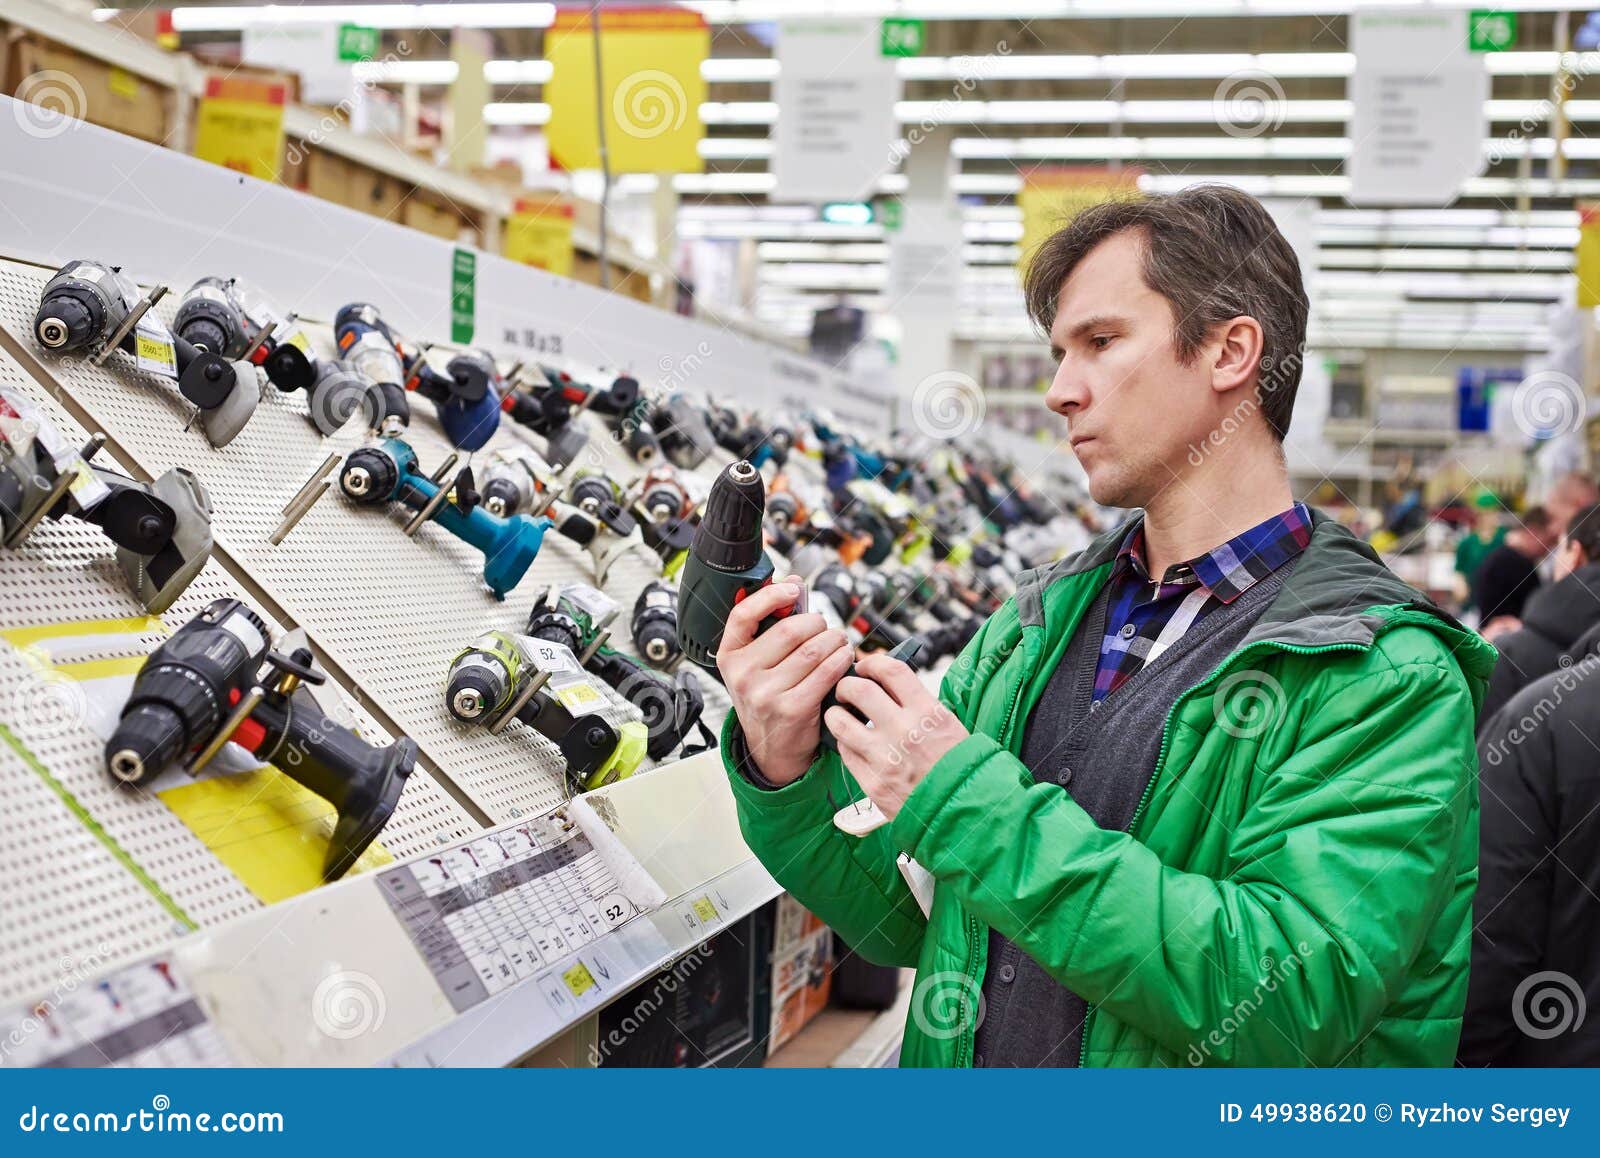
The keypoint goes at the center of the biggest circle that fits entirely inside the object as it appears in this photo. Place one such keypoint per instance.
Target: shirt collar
(1232, 568)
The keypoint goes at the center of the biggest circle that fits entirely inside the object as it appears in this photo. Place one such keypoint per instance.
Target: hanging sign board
(539, 233)
(1053, 195)
(1417, 125)
(836, 92)
(239, 125)
(650, 67)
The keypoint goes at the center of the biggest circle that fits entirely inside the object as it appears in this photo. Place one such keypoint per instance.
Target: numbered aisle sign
(239, 125)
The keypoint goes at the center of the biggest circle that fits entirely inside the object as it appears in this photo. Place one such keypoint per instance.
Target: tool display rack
(89, 872)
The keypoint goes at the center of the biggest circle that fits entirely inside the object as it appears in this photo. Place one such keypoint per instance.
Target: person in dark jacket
(1509, 574)
(1555, 616)
(1533, 997)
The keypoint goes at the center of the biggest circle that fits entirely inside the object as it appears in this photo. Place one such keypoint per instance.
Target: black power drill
(206, 686)
(726, 562)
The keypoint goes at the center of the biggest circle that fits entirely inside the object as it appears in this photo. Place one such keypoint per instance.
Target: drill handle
(361, 781)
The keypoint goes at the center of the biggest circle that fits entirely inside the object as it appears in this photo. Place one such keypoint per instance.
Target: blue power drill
(388, 471)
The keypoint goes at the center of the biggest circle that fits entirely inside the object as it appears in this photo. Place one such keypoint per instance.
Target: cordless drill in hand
(726, 562)
(214, 681)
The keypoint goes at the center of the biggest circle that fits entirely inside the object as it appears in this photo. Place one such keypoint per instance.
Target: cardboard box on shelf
(66, 81)
(802, 970)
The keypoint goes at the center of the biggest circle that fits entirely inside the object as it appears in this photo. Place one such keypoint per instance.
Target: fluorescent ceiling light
(406, 71)
(518, 71)
(224, 19)
(519, 113)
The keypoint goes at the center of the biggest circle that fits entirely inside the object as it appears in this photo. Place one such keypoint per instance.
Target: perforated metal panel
(387, 611)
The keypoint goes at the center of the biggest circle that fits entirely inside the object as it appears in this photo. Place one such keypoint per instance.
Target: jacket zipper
(963, 1057)
(1161, 758)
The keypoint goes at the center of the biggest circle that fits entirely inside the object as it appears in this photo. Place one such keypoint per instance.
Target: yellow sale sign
(539, 233)
(650, 69)
(1588, 254)
(1051, 196)
(239, 125)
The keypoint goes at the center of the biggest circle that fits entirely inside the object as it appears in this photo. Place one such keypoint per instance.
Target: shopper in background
(1137, 826)
(1568, 495)
(1536, 919)
(1487, 533)
(1554, 618)
(1510, 572)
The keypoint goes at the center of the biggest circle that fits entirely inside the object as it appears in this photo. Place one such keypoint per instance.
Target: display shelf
(388, 613)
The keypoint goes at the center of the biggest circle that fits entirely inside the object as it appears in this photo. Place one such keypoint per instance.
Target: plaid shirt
(1144, 618)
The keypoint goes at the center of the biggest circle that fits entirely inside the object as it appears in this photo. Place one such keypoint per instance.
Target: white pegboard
(65, 572)
(389, 612)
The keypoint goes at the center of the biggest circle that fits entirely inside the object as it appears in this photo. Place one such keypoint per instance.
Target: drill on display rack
(92, 309)
(216, 681)
(161, 530)
(500, 677)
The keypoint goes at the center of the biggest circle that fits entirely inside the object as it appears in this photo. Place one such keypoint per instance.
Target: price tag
(592, 602)
(579, 980)
(86, 487)
(578, 696)
(705, 910)
(554, 658)
(153, 348)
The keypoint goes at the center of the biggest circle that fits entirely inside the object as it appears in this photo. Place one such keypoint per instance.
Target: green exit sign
(903, 37)
(1491, 31)
(357, 42)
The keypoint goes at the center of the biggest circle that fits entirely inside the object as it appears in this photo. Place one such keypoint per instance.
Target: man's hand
(910, 730)
(778, 680)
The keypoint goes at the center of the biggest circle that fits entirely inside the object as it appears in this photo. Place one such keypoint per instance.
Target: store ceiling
(1061, 81)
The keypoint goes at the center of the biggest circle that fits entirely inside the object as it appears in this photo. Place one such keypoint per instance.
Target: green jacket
(1295, 887)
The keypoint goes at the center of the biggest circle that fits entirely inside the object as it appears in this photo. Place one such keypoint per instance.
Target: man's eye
(1100, 341)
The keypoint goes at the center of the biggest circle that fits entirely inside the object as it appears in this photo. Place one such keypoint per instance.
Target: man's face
(1135, 414)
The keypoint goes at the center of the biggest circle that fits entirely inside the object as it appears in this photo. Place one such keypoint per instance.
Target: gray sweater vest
(1103, 755)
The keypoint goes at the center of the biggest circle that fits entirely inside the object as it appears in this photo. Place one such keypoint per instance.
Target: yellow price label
(298, 341)
(705, 910)
(82, 477)
(154, 353)
(579, 979)
(122, 84)
(576, 696)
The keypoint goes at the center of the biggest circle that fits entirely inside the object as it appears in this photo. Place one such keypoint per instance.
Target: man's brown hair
(1214, 253)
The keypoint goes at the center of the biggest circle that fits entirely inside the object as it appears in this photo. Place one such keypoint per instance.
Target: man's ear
(1238, 359)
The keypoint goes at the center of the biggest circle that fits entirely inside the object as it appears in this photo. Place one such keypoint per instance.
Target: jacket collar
(1338, 593)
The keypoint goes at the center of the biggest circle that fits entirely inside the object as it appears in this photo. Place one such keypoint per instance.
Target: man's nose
(1066, 394)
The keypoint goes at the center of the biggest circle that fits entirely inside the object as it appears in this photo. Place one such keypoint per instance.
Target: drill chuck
(726, 561)
(83, 302)
(185, 690)
(483, 678)
(655, 623)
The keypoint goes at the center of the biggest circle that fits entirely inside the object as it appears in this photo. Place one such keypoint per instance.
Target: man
(1203, 793)
(1568, 495)
(1510, 572)
(1487, 533)
(1536, 930)
(1555, 616)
